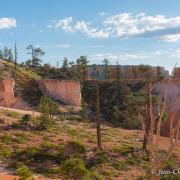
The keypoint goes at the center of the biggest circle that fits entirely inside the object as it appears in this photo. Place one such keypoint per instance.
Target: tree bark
(99, 142)
(148, 118)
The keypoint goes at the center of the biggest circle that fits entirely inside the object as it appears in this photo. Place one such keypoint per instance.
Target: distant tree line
(7, 54)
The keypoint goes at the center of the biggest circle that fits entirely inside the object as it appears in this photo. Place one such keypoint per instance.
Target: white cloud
(171, 38)
(118, 56)
(124, 25)
(121, 25)
(63, 45)
(102, 13)
(64, 24)
(85, 27)
(79, 26)
(6, 23)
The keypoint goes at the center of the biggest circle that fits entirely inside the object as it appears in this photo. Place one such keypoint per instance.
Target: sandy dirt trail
(20, 111)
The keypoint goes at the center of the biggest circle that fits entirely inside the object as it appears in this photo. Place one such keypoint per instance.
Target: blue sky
(132, 32)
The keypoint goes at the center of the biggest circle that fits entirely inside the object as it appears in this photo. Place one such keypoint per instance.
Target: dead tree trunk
(147, 117)
(15, 60)
(98, 121)
(153, 137)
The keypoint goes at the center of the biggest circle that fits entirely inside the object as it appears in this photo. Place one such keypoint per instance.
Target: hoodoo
(7, 92)
(67, 91)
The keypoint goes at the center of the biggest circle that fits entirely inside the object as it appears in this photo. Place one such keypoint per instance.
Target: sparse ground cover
(67, 150)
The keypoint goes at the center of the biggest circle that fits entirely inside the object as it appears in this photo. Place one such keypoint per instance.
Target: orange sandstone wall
(67, 91)
(6, 92)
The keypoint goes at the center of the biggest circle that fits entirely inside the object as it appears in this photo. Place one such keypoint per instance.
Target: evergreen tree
(65, 64)
(7, 54)
(82, 67)
(106, 68)
(95, 71)
(48, 108)
(36, 54)
(1, 54)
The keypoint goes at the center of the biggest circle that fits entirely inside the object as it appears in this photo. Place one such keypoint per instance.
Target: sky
(130, 32)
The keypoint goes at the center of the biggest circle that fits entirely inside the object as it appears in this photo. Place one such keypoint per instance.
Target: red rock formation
(6, 92)
(67, 91)
(177, 72)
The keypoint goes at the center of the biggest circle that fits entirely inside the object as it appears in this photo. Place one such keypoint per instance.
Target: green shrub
(6, 138)
(21, 138)
(25, 120)
(131, 123)
(77, 146)
(99, 158)
(73, 132)
(48, 108)
(24, 173)
(131, 161)
(15, 125)
(12, 114)
(48, 172)
(71, 109)
(95, 176)
(120, 165)
(46, 145)
(124, 150)
(170, 177)
(73, 148)
(75, 168)
(33, 154)
(171, 164)
(5, 151)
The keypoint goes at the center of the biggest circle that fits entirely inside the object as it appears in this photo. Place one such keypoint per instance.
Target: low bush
(25, 120)
(131, 161)
(15, 125)
(6, 138)
(124, 149)
(99, 158)
(24, 173)
(120, 165)
(5, 151)
(77, 146)
(73, 148)
(48, 172)
(75, 168)
(33, 154)
(13, 114)
(21, 138)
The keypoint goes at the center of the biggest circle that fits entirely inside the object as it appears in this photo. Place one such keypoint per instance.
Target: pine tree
(106, 68)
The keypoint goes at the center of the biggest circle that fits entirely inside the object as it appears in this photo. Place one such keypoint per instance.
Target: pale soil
(8, 175)
(20, 111)
(19, 103)
(5, 176)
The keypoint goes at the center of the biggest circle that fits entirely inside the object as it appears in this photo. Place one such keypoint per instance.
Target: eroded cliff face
(67, 91)
(7, 92)
(173, 102)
